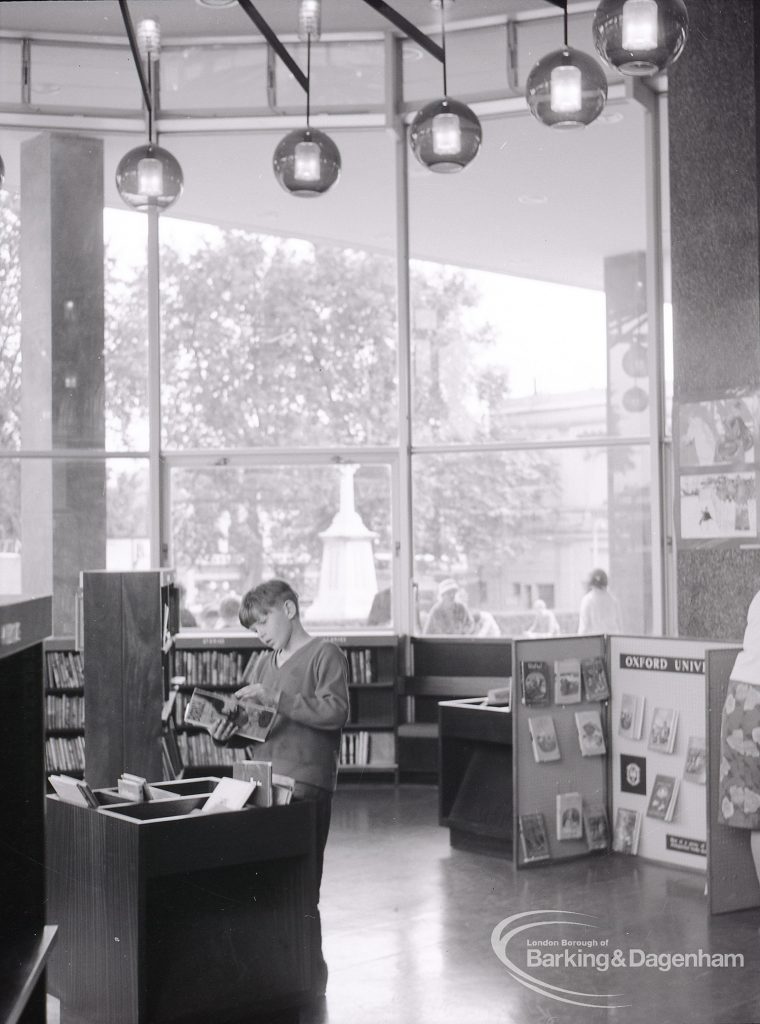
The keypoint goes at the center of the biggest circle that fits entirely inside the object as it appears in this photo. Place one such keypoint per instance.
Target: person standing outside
(449, 616)
(307, 678)
(600, 610)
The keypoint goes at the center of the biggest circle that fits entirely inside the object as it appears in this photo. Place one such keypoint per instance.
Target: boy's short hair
(265, 596)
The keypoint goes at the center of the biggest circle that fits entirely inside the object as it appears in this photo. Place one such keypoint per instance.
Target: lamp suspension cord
(150, 105)
(308, 78)
(443, 47)
(564, 18)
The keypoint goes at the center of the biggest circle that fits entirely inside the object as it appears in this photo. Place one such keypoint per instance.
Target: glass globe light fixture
(635, 399)
(640, 37)
(566, 89)
(306, 162)
(445, 136)
(149, 177)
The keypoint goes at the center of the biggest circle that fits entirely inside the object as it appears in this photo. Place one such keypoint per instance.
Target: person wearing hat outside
(600, 610)
(448, 616)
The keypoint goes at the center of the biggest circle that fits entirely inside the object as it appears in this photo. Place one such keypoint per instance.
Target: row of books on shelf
(543, 735)
(364, 748)
(64, 711)
(200, 749)
(214, 668)
(361, 671)
(64, 670)
(64, 753)
(571, 681)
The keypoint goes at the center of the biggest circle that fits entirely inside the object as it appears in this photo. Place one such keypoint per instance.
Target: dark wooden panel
(223, 840)
(94, 896)
(23, 624)
(462, 656)
(142, 677)
(450, 686)
(103, 678)
(477, 724)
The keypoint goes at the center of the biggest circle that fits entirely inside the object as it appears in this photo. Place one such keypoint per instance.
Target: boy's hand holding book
(252, 691)
(227, 725)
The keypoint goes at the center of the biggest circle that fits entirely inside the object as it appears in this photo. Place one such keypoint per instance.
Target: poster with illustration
(719, 432)
(718, 506)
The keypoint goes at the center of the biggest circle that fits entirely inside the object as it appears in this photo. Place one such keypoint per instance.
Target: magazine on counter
(253, 719)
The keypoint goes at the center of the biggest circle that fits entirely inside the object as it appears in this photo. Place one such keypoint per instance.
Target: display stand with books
(658, 747)
(630, 739)
(169, 914)
(25, 941)
(222, 662)
(560, 748)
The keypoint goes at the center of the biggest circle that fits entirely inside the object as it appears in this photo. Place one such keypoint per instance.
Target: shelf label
(10, 633)
(683, 845)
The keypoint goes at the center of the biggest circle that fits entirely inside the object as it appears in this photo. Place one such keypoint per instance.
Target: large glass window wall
(494, 430)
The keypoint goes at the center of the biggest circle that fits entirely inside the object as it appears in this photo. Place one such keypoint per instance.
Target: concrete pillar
(713, 109)
(63, 503)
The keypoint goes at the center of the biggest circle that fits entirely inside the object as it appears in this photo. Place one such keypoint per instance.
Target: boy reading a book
(307, 679)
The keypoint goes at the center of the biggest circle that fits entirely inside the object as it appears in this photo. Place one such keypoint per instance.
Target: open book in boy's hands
(252, 720)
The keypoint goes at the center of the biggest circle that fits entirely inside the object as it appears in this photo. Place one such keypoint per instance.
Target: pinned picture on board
(719, 432)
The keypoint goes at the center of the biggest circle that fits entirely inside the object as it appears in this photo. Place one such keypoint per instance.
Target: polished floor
(408, 926)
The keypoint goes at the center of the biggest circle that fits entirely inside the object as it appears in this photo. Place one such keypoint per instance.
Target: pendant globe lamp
(640, 37)
(445, 135)
(148, 177)
(306, 161)
(567, 88)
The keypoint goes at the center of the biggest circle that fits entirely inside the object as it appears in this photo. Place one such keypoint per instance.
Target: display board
(732, 882)
(659, 761)
(539, 784)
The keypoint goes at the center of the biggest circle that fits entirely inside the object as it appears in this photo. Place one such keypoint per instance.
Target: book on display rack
(533, 837)
(567, 681)
(594, 675)
(590, 733)
(535, 678)
(544, 738)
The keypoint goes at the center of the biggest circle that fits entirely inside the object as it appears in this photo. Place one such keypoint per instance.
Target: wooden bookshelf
(64, 707)
(443, 668)
(24, 940)
(217, 661)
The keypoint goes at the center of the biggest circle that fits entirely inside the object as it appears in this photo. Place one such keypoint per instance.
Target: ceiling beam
(275, 43)
(408, 28)
(136, 56)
